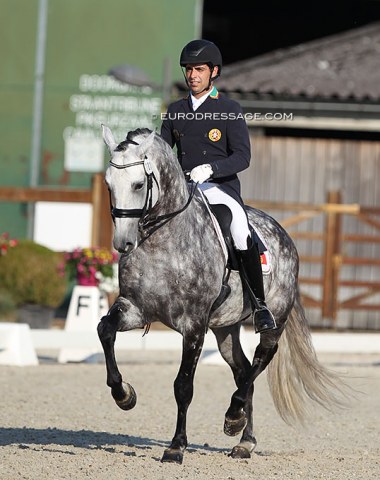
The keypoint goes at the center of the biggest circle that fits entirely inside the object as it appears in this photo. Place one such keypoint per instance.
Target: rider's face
(198, 78)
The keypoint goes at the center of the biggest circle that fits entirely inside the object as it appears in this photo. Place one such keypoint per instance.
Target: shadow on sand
(33, 438)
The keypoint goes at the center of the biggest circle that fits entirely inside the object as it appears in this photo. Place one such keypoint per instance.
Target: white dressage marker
(87, 306)
(16, 346)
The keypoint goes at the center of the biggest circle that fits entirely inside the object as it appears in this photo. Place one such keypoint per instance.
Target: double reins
(142, 213)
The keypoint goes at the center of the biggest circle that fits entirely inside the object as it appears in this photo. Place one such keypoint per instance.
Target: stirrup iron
(263, 318)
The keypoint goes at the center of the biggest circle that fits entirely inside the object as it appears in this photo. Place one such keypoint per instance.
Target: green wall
(85, 38)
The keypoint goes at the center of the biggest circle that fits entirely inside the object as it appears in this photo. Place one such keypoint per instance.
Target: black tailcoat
(216, 133)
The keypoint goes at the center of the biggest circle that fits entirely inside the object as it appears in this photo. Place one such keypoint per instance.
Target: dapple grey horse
(171, 270)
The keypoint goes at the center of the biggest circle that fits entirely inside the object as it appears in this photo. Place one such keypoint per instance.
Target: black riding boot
(252, 275)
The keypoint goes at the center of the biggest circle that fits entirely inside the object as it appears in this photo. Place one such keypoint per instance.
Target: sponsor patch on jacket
(214, 134)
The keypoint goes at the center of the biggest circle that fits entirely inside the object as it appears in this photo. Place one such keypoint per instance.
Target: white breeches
(239, 225)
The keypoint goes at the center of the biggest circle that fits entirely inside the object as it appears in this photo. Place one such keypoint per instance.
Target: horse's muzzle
(125, 249)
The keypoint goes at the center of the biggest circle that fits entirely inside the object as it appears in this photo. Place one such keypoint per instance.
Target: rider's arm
(167, 130)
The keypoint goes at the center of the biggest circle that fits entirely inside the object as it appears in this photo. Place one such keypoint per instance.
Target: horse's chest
(162, 276)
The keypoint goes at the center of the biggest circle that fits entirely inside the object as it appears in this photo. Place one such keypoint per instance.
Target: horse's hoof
(233, 426)
(240, 452)
(130, 399)
(244, 449)
(173, 455)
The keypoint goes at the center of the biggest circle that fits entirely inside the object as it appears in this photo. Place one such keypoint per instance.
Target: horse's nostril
(128, 247)
(123, 247)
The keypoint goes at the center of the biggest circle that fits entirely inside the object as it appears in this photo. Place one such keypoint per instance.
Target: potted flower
(6, 243)
(89, 266)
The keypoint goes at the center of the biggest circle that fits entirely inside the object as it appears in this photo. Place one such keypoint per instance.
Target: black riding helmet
(202, 51)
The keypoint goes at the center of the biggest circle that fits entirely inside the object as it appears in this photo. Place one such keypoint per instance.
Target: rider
(212, 142)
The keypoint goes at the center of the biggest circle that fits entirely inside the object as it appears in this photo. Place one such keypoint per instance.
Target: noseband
(137, 212)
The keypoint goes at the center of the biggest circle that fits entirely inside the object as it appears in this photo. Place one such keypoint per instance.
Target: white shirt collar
(197, 102)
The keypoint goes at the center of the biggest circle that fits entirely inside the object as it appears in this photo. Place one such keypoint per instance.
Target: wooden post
(96, 206)
(331, 254)
(105, 222)
(102, 227)
(337, 258)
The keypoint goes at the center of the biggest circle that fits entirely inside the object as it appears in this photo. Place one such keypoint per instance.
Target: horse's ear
(145, 145)
(108, 139)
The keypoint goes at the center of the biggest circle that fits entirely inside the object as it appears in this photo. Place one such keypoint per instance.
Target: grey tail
(297, 379)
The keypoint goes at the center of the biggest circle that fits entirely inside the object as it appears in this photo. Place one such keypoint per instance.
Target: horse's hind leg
(123, 393)
(183, 390)
(263, 355)
(231, 351)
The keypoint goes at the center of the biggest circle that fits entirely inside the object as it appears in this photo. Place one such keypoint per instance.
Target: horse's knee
(109, 323)
(104, 327)
(101, 327)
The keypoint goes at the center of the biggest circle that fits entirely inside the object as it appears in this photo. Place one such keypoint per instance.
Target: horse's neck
(197, 220)
(174, 196)
(192, 222)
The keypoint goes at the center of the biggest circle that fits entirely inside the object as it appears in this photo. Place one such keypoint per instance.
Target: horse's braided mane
(135, 133)
(130, 138)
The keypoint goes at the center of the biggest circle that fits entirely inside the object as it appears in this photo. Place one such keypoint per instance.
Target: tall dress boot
(252, 275)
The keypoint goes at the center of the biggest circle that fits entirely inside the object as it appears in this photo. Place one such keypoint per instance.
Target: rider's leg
(247, 252)
(251, 271)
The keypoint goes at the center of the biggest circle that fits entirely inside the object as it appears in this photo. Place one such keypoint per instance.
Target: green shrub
(7, 306)
(29, 272)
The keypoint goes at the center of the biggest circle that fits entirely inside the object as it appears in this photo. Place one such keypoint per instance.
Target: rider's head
(201, 53)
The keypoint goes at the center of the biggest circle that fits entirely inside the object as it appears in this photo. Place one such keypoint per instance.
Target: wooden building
(314, 116)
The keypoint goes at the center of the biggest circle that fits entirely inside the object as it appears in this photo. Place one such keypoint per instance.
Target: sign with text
(104, 100)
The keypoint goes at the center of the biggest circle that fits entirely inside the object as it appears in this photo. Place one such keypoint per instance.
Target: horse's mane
(166, 160)
(135, 133)
(130, 138)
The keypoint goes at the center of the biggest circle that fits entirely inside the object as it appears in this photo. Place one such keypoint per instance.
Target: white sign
(104, 100)
(63, 226)
(87, 306)
(84, 154)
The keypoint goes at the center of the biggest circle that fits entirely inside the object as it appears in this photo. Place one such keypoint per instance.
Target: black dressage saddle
(224, 216)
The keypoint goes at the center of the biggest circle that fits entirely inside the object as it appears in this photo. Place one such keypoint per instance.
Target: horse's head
(133, 180)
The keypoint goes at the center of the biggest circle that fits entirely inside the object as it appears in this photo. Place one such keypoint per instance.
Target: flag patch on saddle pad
(265, 262)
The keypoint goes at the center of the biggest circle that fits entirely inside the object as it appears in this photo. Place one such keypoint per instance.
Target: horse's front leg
(116, 320)
(183, 391)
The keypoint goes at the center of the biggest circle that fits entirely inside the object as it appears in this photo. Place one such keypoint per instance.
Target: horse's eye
(138, 186)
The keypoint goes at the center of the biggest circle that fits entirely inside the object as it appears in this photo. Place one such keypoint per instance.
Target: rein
(142, 213)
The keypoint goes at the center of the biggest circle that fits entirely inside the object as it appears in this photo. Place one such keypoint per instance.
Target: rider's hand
(201, 173)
